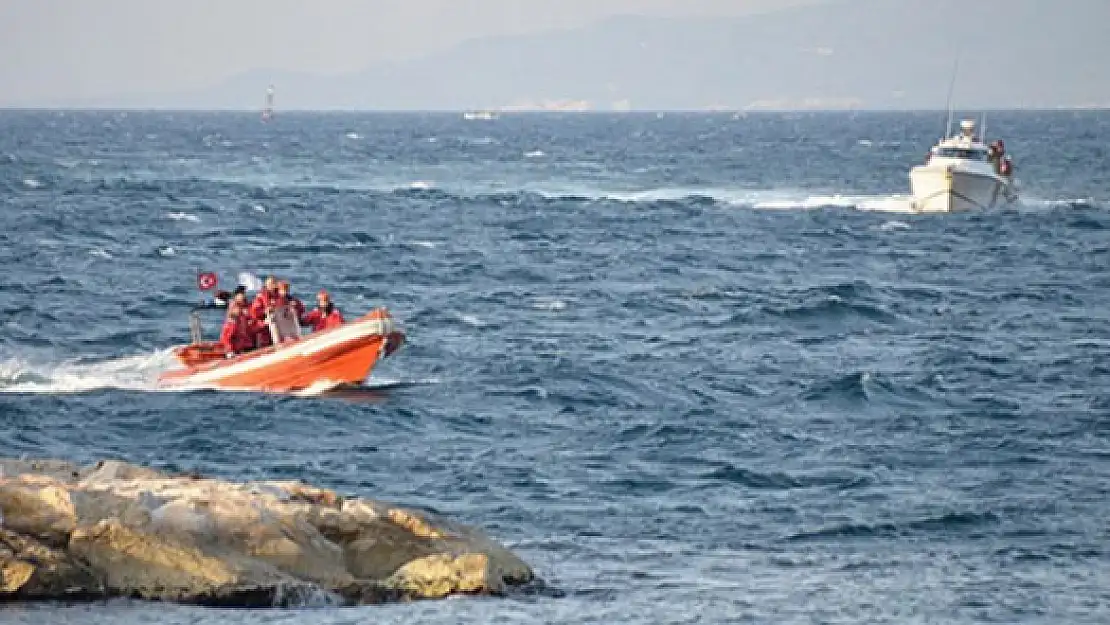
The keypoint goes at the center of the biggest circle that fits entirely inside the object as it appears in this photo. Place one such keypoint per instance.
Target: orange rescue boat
(338, 356)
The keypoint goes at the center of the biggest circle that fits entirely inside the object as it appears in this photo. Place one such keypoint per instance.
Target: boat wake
(515, 188)
(875, 203)
(786, 200)
(133, 373)
(140, 373)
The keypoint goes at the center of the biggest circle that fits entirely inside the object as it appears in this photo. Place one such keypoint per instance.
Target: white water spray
(135, 373)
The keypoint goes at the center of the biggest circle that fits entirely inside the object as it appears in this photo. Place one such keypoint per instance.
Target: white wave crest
(550, 304)
(183, 217)
(470, 320)
(888, 226)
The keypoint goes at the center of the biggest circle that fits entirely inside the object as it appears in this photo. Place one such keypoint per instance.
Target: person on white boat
(995, 155)
(1006, 167)
(1003, 165)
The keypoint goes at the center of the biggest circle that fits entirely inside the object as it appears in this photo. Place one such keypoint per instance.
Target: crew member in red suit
(237, 335)
(267, 298)
(326, 315)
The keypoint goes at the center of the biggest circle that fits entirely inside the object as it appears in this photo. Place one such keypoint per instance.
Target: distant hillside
(875, 54)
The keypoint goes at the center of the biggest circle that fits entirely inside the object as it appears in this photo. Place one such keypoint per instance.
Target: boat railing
(195, 333)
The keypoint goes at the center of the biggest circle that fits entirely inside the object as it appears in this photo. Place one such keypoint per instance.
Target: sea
(691, 367)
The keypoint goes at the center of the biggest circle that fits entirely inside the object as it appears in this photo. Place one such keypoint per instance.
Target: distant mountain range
(866, 54)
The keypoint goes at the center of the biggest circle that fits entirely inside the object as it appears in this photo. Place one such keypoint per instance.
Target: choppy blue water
(680, 363)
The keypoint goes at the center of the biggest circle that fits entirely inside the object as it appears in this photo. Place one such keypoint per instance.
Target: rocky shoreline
(118, 530)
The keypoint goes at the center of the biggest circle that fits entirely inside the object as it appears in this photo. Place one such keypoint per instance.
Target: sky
(54, 51)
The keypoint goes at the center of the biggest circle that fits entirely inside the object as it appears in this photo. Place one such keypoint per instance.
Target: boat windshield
(964, 153)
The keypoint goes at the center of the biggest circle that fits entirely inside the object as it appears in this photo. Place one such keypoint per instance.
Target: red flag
(207, 281)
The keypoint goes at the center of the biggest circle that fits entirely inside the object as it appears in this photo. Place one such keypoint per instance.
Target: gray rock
(117, 530)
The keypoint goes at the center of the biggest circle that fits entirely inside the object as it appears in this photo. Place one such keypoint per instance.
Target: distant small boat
(962, 173)
(268, 109)
(480, 115)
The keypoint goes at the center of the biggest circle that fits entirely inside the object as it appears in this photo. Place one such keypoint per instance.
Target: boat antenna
(951, 88)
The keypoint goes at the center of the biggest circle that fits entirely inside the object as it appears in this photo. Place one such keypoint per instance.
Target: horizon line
(459, 111)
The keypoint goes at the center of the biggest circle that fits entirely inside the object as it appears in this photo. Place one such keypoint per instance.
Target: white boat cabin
(966, 151)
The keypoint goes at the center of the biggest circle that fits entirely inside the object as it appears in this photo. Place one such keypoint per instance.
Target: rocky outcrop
(118, 530)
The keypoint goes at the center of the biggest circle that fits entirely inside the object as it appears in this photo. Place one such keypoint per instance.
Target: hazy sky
(52, 50)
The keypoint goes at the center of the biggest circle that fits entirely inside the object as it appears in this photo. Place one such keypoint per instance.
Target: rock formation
(118, 530)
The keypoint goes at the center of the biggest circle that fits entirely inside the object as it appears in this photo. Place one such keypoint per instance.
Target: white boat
(480, 115)
(962, 173)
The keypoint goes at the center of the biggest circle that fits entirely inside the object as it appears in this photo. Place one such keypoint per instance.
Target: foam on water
(317, 388)
(757, 199)
(133, 373)
(894, 225)
(471, 320)
(550, 304)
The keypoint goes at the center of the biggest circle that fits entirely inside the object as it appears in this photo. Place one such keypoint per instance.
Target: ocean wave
(778, 480)
(947, 523)
(828, 303)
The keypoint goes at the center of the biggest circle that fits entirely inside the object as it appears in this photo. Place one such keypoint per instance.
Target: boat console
(283, 324)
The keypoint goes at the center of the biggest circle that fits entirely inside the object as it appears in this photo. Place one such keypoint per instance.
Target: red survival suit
(262, 304)
(238, 332)
(323, 319)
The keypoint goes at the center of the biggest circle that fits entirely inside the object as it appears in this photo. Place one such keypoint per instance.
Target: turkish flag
(207, 281)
